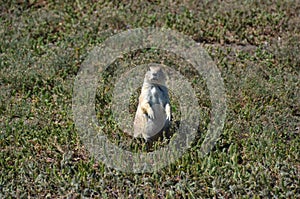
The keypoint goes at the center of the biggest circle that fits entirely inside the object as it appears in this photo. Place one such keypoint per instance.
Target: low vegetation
(255, 45)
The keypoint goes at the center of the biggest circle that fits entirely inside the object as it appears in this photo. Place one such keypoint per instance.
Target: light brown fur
(153, 114)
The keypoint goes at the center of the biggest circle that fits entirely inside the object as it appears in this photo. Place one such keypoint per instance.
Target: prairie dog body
(153, 114)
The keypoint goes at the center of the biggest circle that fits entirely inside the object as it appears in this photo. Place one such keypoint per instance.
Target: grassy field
(255, 44)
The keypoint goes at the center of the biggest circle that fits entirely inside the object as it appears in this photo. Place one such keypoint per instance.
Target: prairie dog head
(155, 75)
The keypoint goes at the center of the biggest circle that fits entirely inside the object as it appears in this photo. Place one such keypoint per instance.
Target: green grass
(255, 45)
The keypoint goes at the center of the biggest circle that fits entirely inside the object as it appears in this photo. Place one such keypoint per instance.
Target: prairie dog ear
(155, 69)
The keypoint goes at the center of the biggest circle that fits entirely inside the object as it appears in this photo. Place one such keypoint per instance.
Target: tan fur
(153, 114)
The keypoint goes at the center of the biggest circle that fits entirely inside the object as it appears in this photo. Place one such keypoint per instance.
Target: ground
(255, 45)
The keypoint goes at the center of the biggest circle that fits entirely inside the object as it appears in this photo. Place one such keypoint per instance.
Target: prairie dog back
(153, 114)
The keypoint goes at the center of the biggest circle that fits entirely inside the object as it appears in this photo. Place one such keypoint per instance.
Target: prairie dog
(153, 113)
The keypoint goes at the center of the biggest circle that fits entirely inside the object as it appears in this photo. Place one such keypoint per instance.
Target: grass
(255, 45)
